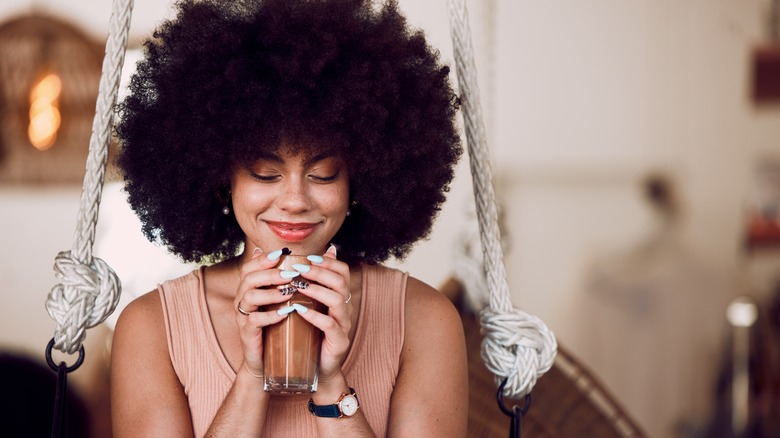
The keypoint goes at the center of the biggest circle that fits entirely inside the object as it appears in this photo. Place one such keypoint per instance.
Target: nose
(294, 197)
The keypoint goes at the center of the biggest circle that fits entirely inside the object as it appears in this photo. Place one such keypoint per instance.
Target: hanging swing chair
(517, 347)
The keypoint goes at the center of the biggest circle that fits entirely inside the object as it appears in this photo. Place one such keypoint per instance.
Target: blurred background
(636, 153)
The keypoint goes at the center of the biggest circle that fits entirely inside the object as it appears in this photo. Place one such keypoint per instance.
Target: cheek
(339, 200)
(250, 201)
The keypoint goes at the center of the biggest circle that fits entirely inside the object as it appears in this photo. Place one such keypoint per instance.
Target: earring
(349, 209)
(223, 195)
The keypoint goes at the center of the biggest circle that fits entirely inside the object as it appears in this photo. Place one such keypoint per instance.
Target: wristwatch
(346, 406)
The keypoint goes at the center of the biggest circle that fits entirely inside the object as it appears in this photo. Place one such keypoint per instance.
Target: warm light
(742, 312)
(44, 112)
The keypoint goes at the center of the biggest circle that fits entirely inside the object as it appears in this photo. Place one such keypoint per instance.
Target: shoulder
(146, 311)
(430, 316)
(421, 301)
(141, 318)
(426, 305)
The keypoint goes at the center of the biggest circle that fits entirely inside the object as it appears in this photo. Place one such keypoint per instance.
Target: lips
(292, 231)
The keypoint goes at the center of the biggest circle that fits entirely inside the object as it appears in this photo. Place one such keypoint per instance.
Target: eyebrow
(275, 157)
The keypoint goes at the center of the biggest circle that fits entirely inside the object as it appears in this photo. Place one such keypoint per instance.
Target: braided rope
(89, 289)
(518, 346)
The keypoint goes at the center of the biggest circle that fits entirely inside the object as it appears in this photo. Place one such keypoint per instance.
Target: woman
(325, 127)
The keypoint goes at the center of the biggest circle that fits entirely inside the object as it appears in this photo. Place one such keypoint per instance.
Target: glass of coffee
(291, 348)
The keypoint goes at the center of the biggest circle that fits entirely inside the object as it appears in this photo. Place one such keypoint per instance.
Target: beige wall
(583, 99)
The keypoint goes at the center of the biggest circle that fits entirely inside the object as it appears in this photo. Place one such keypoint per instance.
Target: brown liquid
(291, 348)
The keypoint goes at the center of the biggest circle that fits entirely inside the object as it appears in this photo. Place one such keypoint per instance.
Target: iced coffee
(291, 348)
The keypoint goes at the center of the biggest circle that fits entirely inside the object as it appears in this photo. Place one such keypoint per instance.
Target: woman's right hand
(257, 287)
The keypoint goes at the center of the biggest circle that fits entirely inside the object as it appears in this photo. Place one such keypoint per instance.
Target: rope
(89, 289)
(518, 347)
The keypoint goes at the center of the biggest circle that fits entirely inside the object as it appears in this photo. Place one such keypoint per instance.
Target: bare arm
(242, 414)
(431, 394)
(146, 396)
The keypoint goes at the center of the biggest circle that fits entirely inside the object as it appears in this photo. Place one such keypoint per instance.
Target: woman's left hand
(330, 283)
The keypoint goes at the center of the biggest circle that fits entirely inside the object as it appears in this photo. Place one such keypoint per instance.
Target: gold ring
(348, 298)
(242, 311)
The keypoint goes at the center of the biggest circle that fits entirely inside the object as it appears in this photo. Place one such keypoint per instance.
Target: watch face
(349, 405)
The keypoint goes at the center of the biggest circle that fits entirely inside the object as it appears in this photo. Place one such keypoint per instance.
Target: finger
(253, 299)
(333, 300)
(251, 334)
(259, 272)
(331, 251)
(326, 270)
(257, 320)
(266, 278)
(336, 335)
(260, 261)
(331, 279)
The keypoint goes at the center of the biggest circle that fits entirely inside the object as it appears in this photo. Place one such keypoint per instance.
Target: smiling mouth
(290, 231)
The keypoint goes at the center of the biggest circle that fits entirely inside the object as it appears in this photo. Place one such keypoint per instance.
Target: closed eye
(264, 177)
(325, 179)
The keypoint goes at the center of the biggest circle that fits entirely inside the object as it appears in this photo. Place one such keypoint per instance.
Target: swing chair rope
(518, 347)
(89, 289)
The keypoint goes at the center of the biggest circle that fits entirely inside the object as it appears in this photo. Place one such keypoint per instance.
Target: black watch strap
(327, 411)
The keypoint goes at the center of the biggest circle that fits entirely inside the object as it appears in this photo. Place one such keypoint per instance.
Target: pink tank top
(371, 365)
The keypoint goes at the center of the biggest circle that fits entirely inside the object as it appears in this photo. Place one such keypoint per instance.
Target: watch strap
(328, 411)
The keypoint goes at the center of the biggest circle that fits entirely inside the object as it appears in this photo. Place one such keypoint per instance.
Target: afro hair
(224, 82)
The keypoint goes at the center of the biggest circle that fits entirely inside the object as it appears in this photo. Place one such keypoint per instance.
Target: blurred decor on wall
(763, 210)
(49, 76)
(766, 61)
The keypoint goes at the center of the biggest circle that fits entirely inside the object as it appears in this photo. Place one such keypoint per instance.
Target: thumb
(331, 252)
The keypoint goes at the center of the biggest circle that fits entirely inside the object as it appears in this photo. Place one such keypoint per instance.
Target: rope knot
(84, 297)
(518, 347)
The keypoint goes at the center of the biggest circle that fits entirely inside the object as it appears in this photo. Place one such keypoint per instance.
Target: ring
(242, 311)
(348, 298)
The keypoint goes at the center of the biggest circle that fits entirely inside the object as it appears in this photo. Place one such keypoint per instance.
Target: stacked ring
(242, 311)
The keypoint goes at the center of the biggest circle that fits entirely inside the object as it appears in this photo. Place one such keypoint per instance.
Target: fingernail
(287, 289)
(289, 274)
(299, 308)
(273, 255)
(314, 259)
(299, 284)
(288, 309)
(300, 267)
(332, 249)
(257, 251)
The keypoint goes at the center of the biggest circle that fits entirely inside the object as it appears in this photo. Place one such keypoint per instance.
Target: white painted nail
(286, 310)
(289, 274)
(300, 267)
(315, 259)
(299, 308)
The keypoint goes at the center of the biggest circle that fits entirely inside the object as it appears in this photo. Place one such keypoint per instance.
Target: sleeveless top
(370, 366)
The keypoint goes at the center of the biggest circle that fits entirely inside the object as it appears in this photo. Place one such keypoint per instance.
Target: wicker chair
(567, 401)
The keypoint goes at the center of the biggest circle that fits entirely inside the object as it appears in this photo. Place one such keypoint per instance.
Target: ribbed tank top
(371, 365)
